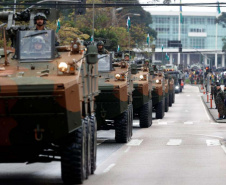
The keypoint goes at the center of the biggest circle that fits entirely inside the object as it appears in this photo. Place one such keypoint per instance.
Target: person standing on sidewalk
(224, 100)
(220, 101)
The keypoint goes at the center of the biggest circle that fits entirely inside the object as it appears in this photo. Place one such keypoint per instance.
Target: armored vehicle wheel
(145, 115)
(93, 123)
(160, 110)
(170, 100)
(167, 103)
(173, 99)
(73, 157)
(122, 128)
(131, 119)
(88, 146)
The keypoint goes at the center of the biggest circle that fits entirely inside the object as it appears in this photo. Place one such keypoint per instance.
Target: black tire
(88, 146)
(167, 103)
(145, 115)
(160, 110)
(122, 128)
(170, 100)
(93, 123)
(73, 157)
(131, 119)
(173, 100)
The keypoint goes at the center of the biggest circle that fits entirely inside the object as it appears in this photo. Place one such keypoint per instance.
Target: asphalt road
(183, 148)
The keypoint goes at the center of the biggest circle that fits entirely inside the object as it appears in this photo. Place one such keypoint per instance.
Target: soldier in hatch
(101, 49)
(126, 57)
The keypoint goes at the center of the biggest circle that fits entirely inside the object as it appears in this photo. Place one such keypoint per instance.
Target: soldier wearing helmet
(126, 57)
(40, 21)
(101, 49)
(38, 44)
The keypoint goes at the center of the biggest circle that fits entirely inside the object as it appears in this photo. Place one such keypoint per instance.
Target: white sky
(187, 9)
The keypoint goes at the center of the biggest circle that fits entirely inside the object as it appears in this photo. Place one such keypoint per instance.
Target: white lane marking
(188, 123)
(127, 149)
(205, 109)
(224, 148)
(109, 168)
(213, 142)
(135, 142)
(188, 95)
(186, 111)
(208, 136)
(100, 141)
(174, 142)
(214, 123)
(162, 123)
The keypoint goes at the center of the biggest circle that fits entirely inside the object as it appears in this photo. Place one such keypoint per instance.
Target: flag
(162, 47)
(128, 24)
(58, 25)
(167, 57)
(181, 17)
(118, 49)
(91, 38)
(148, 39)
(218, 8)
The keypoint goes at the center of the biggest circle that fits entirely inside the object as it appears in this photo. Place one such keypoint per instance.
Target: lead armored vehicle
(47, 100)
(142, 97)
(114, 108)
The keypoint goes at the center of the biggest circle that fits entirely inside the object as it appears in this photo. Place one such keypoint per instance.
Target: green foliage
(222, 21)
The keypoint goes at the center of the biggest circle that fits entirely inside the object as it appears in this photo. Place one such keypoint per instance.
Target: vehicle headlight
(117, 76)
(157, 81)
(75, 46)
(63, 67)
(141, 77)
(177, 87)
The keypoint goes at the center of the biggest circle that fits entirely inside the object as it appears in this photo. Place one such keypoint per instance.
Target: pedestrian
(220, 101)
(215, 94)
(225, 101)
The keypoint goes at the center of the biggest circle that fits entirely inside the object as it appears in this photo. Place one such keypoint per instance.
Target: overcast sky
(188, 9)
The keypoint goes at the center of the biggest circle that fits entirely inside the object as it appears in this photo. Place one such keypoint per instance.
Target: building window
(197, 30)
(197, 43)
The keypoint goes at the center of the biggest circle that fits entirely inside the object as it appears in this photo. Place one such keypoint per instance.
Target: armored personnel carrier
(142, 102)
(158, 91)
(114, 108)
(47, 99)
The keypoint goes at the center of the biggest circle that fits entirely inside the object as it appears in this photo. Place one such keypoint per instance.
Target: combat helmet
(100, 43)
(40, 16)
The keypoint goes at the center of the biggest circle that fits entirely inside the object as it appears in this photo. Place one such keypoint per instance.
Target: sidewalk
(212, 111)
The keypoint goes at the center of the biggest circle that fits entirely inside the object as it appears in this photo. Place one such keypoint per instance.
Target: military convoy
(53, 99)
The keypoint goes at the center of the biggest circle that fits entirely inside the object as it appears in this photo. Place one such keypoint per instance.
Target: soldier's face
(100, 47)
(38, 46)
(127, 58)
(40, 22)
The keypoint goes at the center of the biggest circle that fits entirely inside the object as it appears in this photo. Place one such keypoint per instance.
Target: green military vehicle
(167, 90)
(47, 99)
(114, 108)
(158, 91)
(142, 102)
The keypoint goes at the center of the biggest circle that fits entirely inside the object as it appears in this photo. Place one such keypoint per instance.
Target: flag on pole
(167, 57)
(181, 16)
(91, 38)
(218, 7)
(148, 39)
(118, 48)
(128, 24)
(162, 47)
(58, 25)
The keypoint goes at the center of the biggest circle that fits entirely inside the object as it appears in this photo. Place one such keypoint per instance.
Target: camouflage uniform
(224, 104)
(103, 50)
(220, 102)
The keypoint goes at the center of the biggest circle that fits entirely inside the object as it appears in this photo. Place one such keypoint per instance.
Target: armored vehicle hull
(158, 95)
(142, 102)
(114, 109)
(47, 106)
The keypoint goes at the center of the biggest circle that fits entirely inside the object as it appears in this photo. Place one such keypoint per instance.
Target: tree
(222, 21)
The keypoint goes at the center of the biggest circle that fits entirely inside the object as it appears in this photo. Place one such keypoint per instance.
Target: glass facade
(197, 31)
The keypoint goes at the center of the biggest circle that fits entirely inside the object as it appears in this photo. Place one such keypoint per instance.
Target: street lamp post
(134, 14)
